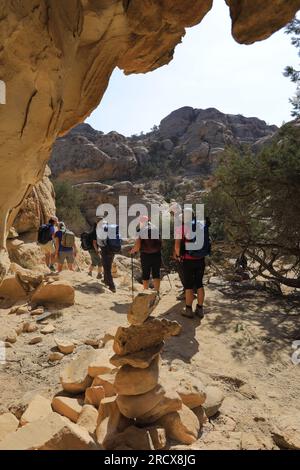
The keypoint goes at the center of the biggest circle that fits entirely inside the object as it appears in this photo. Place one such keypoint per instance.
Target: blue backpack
(205, 250)
(114, 242)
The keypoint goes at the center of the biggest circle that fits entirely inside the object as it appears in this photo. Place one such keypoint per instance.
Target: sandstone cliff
(56, 59)
(193, 138)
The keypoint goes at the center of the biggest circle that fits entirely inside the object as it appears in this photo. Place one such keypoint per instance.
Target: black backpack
(44, 234)
(87, 241)
(205, 250)
(114, 243)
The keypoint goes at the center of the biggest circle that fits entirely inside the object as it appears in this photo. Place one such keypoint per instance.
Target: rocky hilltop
(193, 139)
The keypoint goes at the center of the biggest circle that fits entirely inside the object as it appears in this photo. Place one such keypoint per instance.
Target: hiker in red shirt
(192, 258)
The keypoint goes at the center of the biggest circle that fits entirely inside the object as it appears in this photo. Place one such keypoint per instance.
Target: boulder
(36, 340)
(107, 382)
(286, 430)
(138, 405)
(37, 311)
(138, 337)
(29, 327)
(48, 329)
(141, 359)
(74, 377)
(11, 337)
(51, 433)
(8, 424)
(58, 292)
(191, 391)
(94, 395)
(134, 381)
(68, 407)
(38, 408)
(142, 307)
(182, 425)
(20, 310)
(100, 363)
(64, 345)
(169, 402)
(110, 422)
(55, 356)
(214, 400)
(11, 291)
(247, 391)
(19, 329)
(88, 418)
(27, 255)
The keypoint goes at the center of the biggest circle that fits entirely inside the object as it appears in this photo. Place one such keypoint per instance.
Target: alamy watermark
(2, 353)
(169, 222)
(2, 92)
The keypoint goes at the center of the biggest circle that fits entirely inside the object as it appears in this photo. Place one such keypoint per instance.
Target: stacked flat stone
(117, 398)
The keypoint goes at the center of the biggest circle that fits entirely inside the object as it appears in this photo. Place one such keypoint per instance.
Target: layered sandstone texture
(56, 59)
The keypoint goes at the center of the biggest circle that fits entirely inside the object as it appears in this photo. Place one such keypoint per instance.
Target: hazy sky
(209, 69)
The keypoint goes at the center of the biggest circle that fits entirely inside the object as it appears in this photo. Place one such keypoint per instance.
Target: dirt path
(243, 346)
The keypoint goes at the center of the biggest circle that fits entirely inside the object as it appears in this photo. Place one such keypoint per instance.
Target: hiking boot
(199, 311)
(112, 288)
(90, 274)
(99, 276)
(52, 268)
(188, 312)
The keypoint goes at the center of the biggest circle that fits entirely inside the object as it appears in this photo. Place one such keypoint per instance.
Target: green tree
(255, 205)
(68, 201)
(294, 29)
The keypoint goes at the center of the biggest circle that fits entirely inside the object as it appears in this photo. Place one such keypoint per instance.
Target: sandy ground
(243, 346)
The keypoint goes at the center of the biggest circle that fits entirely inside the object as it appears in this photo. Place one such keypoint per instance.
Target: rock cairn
(118, 397)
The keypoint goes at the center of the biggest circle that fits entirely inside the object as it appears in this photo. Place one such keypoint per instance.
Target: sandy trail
(243, 345)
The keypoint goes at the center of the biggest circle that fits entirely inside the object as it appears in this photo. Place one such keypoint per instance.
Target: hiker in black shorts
(94, 254)
(148, 243)
(193, 262)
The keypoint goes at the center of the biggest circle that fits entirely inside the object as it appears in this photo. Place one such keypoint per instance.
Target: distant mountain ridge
(193, 139)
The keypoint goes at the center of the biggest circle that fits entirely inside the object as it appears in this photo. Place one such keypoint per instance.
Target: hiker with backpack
(192, 256)
(148, 244)
(65, 248)
(89, 243)
(46, 241)
(110, 244)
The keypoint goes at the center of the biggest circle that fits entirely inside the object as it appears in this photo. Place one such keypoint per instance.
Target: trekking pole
(164, 265)
(132, 295)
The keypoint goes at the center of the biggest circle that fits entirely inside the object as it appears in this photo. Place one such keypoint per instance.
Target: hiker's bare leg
(47, 259)
(189, 297)
(91, 268)
(59, 267)
(71, 267)
(52, 259)
(200, 295)
(156, 283)
(146, 284)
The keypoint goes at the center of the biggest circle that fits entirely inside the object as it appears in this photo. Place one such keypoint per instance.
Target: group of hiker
(104, 242)
(58, 244)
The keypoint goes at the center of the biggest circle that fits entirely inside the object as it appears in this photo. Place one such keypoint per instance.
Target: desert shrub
(68, 201)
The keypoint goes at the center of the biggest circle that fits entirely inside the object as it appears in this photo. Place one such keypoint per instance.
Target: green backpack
(68, 239)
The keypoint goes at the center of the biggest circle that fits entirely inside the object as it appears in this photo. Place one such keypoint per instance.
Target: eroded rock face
(57, 57)
(255, 20)
(37, 208)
